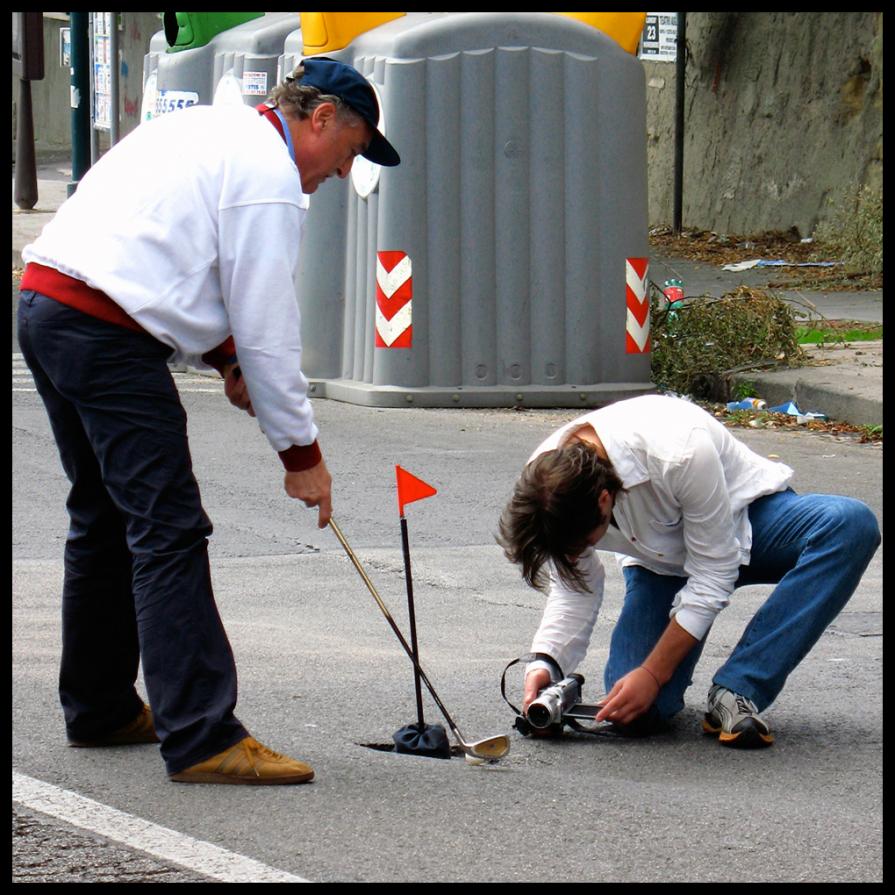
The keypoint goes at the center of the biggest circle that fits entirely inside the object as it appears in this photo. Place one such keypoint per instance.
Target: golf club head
(492, 749)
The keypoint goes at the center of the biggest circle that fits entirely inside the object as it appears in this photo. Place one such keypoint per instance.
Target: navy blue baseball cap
(347, 83)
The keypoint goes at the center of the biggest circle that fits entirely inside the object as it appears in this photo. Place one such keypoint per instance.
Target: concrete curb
(842, 381)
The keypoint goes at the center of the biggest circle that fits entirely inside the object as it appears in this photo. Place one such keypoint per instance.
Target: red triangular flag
(410, 488)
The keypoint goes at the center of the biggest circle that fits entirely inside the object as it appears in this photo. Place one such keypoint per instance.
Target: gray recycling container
(504, 261)
(238, 64)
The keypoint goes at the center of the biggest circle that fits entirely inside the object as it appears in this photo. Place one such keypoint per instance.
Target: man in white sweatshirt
(692, 514)
(181, 243)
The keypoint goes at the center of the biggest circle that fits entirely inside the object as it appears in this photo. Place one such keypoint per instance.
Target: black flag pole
(405, 544)
(419, 738)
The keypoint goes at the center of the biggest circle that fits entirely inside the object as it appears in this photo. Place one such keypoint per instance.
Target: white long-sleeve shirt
(192, 224)
(689, 485)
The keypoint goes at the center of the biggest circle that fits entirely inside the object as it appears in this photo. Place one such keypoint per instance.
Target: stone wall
(783, 114)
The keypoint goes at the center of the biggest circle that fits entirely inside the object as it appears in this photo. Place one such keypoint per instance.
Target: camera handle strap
(555, 670)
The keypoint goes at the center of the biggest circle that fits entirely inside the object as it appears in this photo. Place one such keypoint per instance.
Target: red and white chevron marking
(394, 307)
(637, 325)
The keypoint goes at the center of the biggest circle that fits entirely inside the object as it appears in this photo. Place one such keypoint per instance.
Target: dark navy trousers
(137, 585)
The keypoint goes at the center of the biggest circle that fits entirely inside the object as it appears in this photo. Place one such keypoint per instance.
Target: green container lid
(188, 30)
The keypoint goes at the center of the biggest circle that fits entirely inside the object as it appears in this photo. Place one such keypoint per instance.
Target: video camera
(556, 705)
(559, 704)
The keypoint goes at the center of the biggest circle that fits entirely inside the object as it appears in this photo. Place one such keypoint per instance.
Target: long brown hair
(555, 505)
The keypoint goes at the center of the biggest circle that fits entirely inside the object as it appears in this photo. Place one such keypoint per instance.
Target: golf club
(490, 749)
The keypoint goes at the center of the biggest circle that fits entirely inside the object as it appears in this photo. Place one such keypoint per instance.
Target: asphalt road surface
(323, 678)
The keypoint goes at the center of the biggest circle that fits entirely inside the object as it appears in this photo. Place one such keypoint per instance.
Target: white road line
(21, 375)
(191, 391)
(169, 845)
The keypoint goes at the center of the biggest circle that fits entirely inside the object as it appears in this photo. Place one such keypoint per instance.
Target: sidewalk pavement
(843, 382)
(53, 178)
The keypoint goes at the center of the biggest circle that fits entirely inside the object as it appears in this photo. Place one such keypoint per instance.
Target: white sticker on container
(172, 100)
(254, 83)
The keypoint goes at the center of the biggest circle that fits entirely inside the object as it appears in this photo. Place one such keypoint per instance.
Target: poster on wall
(102, 71)
(659, 41)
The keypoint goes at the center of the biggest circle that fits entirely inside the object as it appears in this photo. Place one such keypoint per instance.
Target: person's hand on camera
(535, 681)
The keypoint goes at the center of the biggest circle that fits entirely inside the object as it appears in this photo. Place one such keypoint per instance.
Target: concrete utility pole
(28, 66)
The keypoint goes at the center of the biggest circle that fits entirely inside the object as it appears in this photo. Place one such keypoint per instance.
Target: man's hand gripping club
(235, 388)
(314, 487)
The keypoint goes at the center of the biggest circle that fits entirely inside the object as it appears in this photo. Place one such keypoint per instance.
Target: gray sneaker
(735, 720)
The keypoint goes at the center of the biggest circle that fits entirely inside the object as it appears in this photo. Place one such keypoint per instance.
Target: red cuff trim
(300, 457)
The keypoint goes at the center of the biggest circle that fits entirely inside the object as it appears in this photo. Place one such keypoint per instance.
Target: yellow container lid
(325, 32)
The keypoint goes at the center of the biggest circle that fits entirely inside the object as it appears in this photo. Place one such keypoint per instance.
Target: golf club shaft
(388, 616)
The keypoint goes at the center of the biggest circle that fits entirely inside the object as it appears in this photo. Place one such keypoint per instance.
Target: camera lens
(539, 715)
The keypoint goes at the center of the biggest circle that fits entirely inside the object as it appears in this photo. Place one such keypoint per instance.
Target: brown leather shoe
(248, 763)
(140, 730)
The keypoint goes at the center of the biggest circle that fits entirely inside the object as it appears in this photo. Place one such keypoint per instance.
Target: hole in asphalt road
(390, 747)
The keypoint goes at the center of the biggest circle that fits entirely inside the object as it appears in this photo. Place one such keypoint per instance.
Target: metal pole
(80, 97)
(114, 70)
(680, 68)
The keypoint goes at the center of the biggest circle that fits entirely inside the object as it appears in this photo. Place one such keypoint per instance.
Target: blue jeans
(137, 585)
(813, 547)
